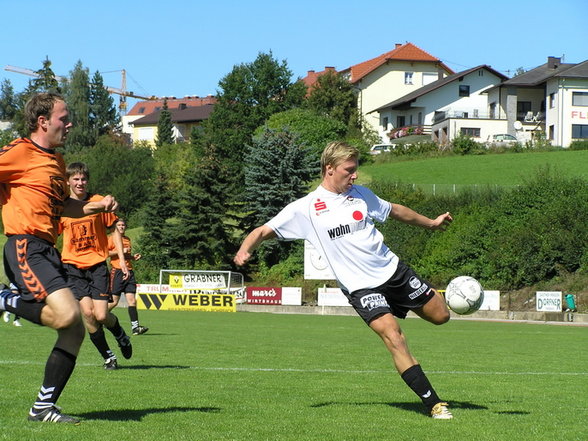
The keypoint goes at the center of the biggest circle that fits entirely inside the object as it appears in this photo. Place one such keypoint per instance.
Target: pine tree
(82, 134)
(165, 133)
(8, 101)
(278, 169)
(200, 237)
(103, 114)
(46, 81)
(154, 243)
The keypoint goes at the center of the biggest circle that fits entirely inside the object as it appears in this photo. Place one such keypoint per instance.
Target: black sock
(416, 379)
(99, 340)
(133, 316)
(13, 303)
(58, 369)
(116, 329)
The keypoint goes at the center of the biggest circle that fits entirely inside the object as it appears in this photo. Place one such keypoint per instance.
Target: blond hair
(336, 153)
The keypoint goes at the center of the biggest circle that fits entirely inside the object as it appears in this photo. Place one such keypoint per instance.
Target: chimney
(309, 73)
(397, 45)
(553, 62)
(329, 68)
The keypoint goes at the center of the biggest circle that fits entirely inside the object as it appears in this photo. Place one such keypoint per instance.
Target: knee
(69, 319)
(101, 316)
(441, 318)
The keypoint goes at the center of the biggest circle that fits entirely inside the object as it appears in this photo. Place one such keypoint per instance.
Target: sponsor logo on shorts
(424, 288)
(373, 301)
(414, 282)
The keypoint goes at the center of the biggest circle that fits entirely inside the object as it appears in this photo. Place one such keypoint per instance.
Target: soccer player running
(118, 283)
(34, 194)
(338, 219)
(85, 250)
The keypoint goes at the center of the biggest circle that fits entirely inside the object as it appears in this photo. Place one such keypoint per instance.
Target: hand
(109, 203)
(442, 222)
(241, 257)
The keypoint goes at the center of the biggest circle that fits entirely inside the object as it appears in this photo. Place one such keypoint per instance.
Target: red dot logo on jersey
(357, 215)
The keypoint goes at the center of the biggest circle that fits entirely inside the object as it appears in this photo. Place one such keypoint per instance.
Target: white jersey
(341, 227)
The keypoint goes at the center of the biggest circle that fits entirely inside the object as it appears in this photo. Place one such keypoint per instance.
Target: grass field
(255, 376)
(492, 169)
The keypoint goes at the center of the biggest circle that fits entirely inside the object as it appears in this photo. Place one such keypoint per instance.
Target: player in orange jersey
(85, 250)
(118, 283)
(34, 195)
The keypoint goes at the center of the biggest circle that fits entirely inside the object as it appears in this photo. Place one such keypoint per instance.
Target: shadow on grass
(412, 406)
(140, 367)
(138, 414)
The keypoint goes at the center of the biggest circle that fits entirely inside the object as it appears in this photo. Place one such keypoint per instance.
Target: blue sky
(179, 48)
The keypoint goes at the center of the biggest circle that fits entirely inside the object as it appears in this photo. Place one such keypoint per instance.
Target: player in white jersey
(338, 219)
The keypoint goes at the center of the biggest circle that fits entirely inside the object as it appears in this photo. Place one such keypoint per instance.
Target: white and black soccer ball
(464, 295)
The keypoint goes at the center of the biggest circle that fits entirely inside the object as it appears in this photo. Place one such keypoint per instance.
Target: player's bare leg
(387, 327)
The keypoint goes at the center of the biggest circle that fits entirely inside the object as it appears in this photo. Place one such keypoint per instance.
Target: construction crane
(122, 92)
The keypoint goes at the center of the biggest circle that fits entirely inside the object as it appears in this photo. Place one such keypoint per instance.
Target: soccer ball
(464, 295)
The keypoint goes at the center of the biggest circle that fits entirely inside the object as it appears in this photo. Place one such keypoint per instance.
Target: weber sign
(549, 301)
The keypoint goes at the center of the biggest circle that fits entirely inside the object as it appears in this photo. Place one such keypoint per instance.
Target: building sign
(264, 295)
(549, 301)
(166, 297)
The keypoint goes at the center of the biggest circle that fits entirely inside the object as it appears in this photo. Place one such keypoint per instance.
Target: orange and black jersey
(85, 240)
(33, 189)
(114, 260)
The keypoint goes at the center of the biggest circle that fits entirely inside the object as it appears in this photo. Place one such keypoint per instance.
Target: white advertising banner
(549, 301)
(491, 301)
(332, 297)
(291, 296)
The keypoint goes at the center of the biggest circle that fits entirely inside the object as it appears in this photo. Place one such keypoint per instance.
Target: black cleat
(140, 330)
(110, 364)
(52, 415)
(124, 343)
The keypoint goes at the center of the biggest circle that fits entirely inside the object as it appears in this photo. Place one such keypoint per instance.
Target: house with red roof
(140, 123)
(387, 77)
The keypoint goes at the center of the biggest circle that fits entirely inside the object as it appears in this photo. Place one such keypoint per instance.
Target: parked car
(501, 140)
(379, 148)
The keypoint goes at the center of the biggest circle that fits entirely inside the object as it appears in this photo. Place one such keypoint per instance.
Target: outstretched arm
(76, 208)
(251, 242)
(409, 216)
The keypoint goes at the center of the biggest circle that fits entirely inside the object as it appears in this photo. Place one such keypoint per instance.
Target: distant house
(551, 99)
(140, 123)
(387, 77)
(447, 107)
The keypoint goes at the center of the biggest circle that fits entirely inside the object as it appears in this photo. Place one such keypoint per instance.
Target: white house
(551, 100)
(447, 107)
(388, 77)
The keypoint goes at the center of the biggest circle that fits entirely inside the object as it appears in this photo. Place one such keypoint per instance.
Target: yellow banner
(195, 300)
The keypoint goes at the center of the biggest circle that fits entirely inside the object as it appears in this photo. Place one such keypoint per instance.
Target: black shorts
(403, 292)
(34, 266)
(91, 282)
(118, 285)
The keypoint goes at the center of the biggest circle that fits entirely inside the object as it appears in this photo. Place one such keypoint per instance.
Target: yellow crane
(122, 92)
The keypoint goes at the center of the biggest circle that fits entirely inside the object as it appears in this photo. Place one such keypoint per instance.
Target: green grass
(506, 169)
(255, 376)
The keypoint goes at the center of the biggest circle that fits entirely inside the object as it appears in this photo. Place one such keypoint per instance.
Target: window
(471, 131)
(523, 110)
(551, 100)
(408, 77)
(579, 131)
(385, 123)
(141, 109)
(580, 99)
(492, 110)
(551, 132)
(420, 118)
(400, 121)
(464, 90)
